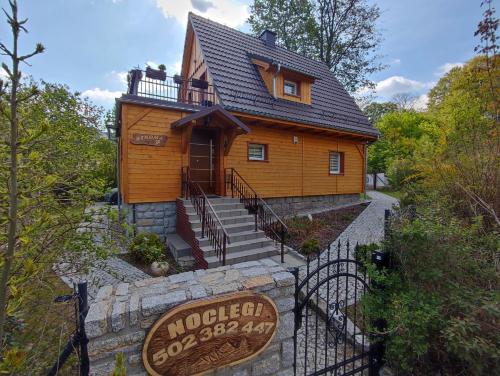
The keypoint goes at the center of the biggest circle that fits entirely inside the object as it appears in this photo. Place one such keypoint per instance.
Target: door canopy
(213, 117)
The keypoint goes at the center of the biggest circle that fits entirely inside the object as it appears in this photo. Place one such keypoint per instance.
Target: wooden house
(246, 133)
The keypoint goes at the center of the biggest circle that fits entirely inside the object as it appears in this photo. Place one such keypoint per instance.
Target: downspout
(274, 80)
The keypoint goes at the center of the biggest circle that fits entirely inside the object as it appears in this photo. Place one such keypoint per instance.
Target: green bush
(310, 246)
(441, 300)
(363, 253)
(147, 248)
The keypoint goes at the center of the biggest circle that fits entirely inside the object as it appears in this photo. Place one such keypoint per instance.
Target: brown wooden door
(202, 159)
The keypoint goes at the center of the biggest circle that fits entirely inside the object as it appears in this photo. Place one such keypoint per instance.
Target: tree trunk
(12, 225)
(374, 181)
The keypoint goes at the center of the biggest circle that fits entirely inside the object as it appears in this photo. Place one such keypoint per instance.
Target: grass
(325, 227)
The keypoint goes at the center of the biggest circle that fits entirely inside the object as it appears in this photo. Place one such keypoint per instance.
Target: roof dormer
(282, 81)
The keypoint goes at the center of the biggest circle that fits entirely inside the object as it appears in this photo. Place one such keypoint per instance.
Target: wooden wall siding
(297, 169)
(151, 174)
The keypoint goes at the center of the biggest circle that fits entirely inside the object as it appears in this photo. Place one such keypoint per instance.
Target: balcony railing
(156, 84)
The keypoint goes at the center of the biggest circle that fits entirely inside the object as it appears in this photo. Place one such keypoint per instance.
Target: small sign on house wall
(201, 336)
(148, 139)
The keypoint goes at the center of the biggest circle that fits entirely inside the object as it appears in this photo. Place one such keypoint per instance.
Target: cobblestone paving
(320, 356)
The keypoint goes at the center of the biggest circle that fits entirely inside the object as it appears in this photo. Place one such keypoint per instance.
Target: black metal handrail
(265, 217)
(173, 89)
(211, 225)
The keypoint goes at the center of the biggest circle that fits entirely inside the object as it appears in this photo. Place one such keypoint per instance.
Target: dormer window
(290, 88)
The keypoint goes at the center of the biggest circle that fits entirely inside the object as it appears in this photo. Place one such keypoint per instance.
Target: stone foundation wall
(156, 217)
(286, 206)
(120, 317)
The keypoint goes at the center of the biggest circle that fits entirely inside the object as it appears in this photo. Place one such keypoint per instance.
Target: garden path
(367, 228)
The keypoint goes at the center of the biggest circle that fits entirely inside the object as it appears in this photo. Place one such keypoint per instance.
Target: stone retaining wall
(286, 206)
(157, 217)
(120, 317)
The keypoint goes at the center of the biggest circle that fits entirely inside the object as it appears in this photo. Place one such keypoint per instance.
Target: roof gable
(228, 53)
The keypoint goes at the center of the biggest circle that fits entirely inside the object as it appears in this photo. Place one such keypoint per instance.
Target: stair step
(242, 256)
(237, 237)
(194, 219)
(178, 246)
(231, 229)
(217, 207)
(239, 246)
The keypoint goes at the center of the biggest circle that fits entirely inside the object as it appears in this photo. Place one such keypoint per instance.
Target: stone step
(242, 256)
(227, 220)
(217, 207)
(235, 247)
(237, 237)
(231, 229)
(178, 246)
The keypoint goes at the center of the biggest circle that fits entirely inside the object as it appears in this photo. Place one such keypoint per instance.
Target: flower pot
(156, 74)
(159, 268)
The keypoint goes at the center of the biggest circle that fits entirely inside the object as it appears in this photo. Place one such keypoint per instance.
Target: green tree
(11, 113)
(286, 18)
(374, 111)
(341, 33)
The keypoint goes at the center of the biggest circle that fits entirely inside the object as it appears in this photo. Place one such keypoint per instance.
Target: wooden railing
(211, 225)
(265, 218)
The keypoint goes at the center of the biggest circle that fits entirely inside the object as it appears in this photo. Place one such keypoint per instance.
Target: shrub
(310, 246)
(147, 248)
(441, 300)
(363, 253)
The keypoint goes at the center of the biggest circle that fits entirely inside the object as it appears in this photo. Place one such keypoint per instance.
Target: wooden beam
(186, 137)
(231, 136)
(303, 126)
(139, 117)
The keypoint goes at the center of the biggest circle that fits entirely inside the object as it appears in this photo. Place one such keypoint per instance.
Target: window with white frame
(335, 163)
(257, 152)
(290, 88)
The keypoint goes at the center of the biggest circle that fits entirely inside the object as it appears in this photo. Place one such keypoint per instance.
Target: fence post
(83, 309)
(79, 338)
(377, 346)
(387, 217)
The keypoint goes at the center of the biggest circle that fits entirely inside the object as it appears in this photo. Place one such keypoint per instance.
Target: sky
(92, 44)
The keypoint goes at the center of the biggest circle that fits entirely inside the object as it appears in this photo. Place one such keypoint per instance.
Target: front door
(202, 159)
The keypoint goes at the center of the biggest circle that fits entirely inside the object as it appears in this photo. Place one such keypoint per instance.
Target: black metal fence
(156, 84)
(78, 341)
(331, 335)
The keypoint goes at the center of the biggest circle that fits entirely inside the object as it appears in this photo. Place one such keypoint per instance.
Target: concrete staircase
(245, 244)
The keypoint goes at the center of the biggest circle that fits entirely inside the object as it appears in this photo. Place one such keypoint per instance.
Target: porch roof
(216, 111)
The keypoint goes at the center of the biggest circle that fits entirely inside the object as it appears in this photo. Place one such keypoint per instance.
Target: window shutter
(341, 155)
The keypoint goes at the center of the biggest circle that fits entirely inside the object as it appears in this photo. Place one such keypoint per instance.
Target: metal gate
(329, 337)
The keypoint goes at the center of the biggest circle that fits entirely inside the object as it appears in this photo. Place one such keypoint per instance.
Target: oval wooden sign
(148, 139)
(206, 334)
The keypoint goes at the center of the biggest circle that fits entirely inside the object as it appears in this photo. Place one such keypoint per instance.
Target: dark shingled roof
(228, 52)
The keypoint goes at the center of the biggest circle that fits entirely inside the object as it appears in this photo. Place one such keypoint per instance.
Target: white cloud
(102, 96)
(445, 68)
(120, 77)
(152, 64)
(228, 12)
(3, 75)
(396, 85)
(420, 104)
(396, 61)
